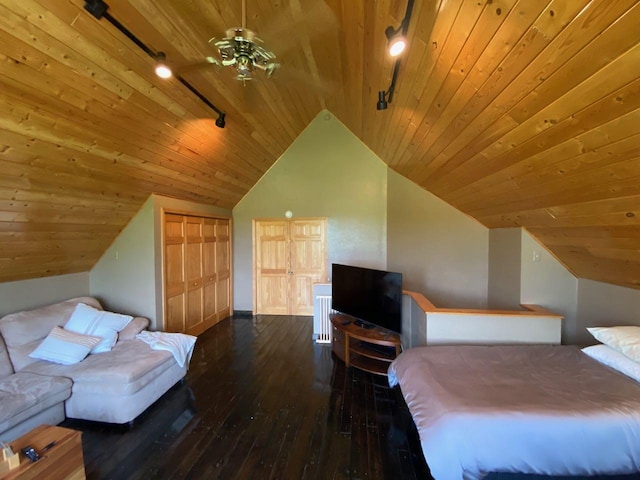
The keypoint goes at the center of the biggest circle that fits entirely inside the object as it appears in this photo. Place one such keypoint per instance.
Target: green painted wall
(548, 283)
(326, 172)
(441, 252)
(504, 268)
(123, 278)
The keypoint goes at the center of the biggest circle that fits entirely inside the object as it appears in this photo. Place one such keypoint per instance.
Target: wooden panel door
(289, 257)
(308, 262)
(197, 272)
(271, 272)
(223, 268)
(174, 258)
(194, 272)
(209, 278)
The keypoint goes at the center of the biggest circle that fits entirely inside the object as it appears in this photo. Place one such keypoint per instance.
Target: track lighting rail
(98, 8)
(386, 96)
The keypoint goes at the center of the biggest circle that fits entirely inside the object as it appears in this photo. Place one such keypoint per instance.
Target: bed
(547, 410)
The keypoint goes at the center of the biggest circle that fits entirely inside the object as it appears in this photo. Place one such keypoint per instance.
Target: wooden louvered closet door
(223, 268)
(197, 272)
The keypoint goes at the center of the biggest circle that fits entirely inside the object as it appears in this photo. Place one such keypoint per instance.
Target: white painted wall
(603, 304)
(504, 268)
(326, 172)
(37, 292)
(124, 277)
(441, 252)
(491, 329)
(549, 284)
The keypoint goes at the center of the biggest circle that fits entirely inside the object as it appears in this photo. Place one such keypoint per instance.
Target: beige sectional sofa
(113, 387)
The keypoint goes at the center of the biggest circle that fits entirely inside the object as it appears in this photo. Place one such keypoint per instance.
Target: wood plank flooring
(262, 401)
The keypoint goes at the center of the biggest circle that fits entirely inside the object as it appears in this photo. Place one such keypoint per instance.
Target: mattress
(548, 410)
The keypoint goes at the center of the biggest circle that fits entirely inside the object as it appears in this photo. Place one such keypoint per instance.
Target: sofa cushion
(127, 368)
(134, 327)
(23, 395)
(24, 331)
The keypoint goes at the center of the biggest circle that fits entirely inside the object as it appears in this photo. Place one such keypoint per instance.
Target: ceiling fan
(241, 49)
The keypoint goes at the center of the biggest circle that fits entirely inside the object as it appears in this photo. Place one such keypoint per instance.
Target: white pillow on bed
(616, 360)
(625, 339)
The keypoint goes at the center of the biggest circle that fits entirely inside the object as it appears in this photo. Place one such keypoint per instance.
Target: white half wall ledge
(448, 326)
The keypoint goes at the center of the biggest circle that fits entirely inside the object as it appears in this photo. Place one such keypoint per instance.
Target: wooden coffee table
(62, 461)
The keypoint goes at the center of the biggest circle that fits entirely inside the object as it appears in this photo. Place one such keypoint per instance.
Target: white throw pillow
(616, 360)
(106, 325)
(65, 347)
(624, 339)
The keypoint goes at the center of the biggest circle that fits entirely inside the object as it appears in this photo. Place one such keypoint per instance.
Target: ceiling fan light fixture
(242, 49)
(162, 69)
(244, 66)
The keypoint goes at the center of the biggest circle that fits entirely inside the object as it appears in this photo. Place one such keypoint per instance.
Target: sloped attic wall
(326, 172)
(441, 252)
(377, 218)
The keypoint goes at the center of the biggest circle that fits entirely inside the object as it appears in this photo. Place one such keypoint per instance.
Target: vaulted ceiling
(517, 112)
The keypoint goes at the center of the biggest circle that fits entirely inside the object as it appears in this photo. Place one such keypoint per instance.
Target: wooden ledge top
(529, 309)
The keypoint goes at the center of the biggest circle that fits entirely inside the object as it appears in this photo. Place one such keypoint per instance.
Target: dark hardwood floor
(263, 401)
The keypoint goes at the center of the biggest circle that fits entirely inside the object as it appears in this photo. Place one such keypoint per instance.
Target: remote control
(31, 453)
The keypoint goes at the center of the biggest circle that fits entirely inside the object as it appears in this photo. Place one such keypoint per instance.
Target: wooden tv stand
(361, 347)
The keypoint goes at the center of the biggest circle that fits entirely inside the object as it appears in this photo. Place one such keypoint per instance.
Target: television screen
(374, 296)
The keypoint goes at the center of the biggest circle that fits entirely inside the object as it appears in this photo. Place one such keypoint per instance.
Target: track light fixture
(397, 43)
(385, 97)
(99, 9)
(382, 101)
(162, 69)
(220, 122)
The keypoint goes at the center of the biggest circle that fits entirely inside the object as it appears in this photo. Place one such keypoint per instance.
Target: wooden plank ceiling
(517, 112)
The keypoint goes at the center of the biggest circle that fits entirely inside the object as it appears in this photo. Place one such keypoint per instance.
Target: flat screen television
(372, 296)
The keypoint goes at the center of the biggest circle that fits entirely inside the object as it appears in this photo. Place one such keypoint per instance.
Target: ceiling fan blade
(209, 63)
(284, 32)
(306, 81)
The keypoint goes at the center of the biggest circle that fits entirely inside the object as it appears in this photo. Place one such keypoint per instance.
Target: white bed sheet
(547, 410)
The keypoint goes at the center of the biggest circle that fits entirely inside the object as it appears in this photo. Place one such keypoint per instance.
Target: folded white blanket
(179, 344)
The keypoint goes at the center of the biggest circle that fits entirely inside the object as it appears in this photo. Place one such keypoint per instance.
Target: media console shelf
(369, 349)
